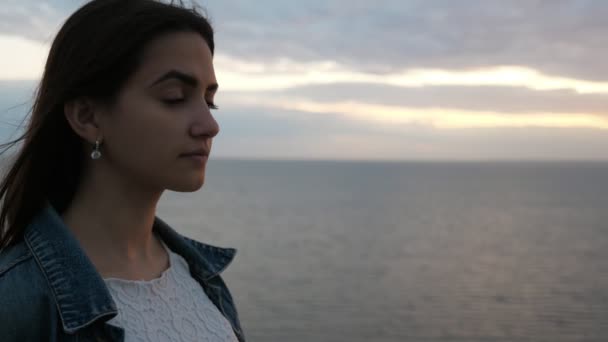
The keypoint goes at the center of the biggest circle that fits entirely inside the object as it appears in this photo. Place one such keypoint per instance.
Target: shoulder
(25, 299)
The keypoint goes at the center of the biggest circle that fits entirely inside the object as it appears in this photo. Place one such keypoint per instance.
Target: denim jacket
(50, 290)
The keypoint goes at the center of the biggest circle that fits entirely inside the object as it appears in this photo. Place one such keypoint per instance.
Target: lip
(200, 153)
(198, 159)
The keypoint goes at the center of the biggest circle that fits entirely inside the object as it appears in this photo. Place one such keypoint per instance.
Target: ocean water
(415, 251)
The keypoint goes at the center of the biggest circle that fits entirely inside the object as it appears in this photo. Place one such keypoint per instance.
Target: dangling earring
(96, 154)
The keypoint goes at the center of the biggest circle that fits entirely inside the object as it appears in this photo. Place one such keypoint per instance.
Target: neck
(112, 218)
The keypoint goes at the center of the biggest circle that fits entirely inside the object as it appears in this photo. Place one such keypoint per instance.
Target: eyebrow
(185, 78)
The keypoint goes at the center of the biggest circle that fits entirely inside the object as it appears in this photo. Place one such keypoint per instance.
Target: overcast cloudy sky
(381, 80)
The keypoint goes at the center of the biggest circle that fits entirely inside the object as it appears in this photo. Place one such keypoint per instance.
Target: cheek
(143, 136)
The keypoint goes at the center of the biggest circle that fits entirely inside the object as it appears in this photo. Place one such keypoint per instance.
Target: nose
(204, 124)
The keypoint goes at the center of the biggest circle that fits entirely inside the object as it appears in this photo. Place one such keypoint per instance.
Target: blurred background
(401, 170)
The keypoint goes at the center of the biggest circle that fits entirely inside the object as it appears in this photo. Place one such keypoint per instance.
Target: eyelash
(173, 102)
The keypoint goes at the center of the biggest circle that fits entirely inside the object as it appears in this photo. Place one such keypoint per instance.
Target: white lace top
(173, 307)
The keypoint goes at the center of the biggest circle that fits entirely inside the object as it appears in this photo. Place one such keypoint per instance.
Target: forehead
(186, 52)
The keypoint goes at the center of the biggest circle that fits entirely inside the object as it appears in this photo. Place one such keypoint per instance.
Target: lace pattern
(172, 307)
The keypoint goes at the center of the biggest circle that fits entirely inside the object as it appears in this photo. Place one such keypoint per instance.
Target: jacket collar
(79, 290)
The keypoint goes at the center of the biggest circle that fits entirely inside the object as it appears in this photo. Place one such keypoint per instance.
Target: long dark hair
(94, 53)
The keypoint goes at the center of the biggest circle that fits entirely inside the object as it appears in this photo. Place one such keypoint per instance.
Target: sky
(379, 80)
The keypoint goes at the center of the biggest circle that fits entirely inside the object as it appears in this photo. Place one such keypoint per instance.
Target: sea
(407, 251)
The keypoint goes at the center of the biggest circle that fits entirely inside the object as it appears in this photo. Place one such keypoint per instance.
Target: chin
(188, 186)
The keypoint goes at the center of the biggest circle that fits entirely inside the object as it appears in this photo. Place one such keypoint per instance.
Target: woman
(122, 113)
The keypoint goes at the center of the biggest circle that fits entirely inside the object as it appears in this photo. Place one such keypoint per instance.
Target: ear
(82, 116)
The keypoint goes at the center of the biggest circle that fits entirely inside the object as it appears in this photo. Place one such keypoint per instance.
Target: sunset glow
(247, 76)
(441, 118)
(21, 59)
(441, 80)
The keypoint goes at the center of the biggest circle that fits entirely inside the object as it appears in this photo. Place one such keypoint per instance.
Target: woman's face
(163, 112)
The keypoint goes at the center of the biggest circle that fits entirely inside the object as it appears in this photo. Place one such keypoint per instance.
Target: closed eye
(172, 102)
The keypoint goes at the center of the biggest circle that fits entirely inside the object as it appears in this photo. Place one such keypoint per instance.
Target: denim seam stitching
(74, 329)
(47, 281)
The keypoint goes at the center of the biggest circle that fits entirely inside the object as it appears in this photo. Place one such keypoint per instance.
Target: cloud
(396, 79)
(330, 137)
(436, 117)
(561, 38)
(504, 99)
(32, 20)
(285, 73)
(555, 37)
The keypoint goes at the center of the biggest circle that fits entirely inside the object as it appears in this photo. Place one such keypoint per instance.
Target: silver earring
(96, 154)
